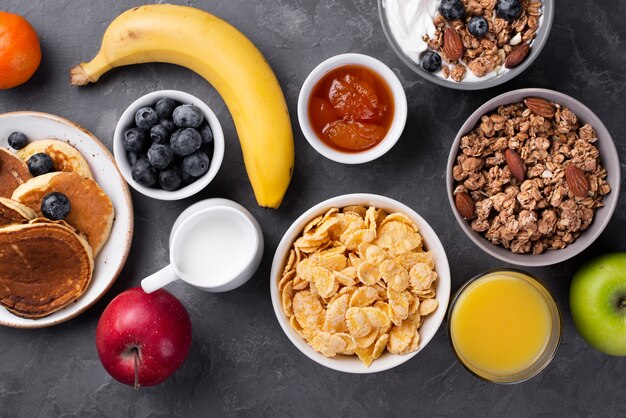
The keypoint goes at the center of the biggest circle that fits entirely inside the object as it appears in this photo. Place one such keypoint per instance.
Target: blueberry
(478, 26)
(188, 116)
(143, 172)
(452, 9)
(206, 133)
(135, 140)
(186, 178)
(133, 157)
(185, 141)
(17, 140)
(159, 134)
(170, 178)
(55, 206)
(207, 149)
(431, 61)
(40, 163)
(165, 108)
(146, 118)
(168, 124)
(509, 9)
(160, 156)
(196, 164)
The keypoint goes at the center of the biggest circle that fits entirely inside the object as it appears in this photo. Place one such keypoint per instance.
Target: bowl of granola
(360, 283)
(533, 177)
(467, 44)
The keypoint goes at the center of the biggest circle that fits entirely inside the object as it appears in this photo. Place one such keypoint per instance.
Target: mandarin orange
(20, 52)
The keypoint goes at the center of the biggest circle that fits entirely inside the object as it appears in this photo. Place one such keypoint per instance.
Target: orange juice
(502, 323)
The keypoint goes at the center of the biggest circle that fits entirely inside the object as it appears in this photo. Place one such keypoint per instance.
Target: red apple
(143, 338)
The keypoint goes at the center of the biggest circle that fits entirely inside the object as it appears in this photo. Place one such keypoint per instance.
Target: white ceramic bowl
(399, 118)
(608, 155)
(352, 364)
(128, 119)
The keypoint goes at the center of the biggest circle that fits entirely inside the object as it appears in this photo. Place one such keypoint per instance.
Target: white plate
(112, 257)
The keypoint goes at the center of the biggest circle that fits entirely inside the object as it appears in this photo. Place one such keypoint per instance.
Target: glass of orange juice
(504, 326)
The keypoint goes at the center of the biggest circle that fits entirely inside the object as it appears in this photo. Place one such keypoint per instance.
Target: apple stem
(136, 357)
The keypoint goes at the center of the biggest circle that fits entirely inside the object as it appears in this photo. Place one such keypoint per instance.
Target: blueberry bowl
(161, 159)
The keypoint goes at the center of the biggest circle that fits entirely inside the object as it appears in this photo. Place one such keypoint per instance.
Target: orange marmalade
(351, 108)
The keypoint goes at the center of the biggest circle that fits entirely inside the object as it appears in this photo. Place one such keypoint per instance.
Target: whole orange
(20, 52)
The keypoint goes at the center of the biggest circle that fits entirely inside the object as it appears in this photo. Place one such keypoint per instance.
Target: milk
(215, 249)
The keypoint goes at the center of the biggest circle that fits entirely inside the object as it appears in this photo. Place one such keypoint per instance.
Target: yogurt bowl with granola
(467, 44)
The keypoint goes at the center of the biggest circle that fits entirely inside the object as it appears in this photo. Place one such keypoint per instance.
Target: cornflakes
(358, 281)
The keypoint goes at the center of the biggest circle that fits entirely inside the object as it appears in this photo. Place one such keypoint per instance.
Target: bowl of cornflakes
(360, 283)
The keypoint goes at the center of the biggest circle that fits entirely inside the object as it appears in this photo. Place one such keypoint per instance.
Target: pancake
(13, 172)
(66, 157)
(12, 212)
(91, 209)
(45, 267)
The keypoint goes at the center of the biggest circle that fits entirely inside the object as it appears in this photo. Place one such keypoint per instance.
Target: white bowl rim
(149, 100)
(607, 152)
(351, 364)
(400, 108)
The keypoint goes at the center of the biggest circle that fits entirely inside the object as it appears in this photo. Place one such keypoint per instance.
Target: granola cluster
(544, 211)
(482, 56)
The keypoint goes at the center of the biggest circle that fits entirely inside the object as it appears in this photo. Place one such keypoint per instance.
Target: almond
(577, 181)
(540, 106)
(452, 44)
(515, 164)
(465, 205)
(516, 56)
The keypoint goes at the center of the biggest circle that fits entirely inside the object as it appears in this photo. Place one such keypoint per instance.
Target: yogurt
(409, 21)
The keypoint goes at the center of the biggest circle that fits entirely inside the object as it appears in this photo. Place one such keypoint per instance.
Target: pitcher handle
(159, 279)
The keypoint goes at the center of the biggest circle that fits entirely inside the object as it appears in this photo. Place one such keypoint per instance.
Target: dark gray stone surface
(241, 363)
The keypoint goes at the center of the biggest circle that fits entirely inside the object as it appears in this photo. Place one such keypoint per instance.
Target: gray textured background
(241, 364)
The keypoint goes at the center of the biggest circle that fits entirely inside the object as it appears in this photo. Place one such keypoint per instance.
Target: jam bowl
(388, 82)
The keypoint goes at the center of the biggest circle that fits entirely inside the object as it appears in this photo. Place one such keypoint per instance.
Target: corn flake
(421, 276)
(398, 237)
(291, 262)
(379, 347)
(428, 306)
(365, 355)
(400, 217)
(357, 322)
(352, 239)
(336, 314)
(307, 309)
(396, 277)
(287, 277)
(368, 273)
(358, 209)
(333, 262)
(368, 340)
(400, 337)
(363, 296)
(287, 299)
(350, 344)
(327, 344)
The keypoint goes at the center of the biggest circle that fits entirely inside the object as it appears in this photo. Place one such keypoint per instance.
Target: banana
(229, 61)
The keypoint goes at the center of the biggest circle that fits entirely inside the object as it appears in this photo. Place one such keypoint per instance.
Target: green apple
(598, 303)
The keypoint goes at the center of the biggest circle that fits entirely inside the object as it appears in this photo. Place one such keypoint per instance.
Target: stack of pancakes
(46, 265)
